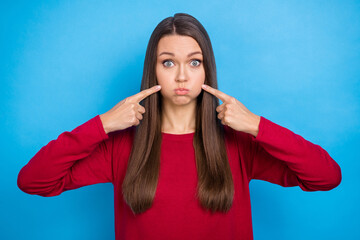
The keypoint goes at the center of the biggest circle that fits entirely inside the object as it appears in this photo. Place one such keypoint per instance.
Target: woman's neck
(178, 119)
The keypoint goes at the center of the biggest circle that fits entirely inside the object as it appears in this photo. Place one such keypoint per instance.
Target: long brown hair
(215, 187)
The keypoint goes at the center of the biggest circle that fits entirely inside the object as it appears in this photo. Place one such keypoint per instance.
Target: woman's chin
(181, 100)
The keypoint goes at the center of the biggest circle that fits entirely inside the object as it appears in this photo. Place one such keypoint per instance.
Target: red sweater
(87, 155)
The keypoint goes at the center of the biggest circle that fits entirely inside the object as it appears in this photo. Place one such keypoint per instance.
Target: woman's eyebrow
(172, 54)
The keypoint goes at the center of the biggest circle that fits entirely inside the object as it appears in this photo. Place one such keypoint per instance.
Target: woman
(180, 162)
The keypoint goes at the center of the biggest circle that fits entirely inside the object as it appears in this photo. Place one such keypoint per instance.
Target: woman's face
(179, 65)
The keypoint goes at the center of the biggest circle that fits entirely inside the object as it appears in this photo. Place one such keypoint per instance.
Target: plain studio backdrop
(296, 63)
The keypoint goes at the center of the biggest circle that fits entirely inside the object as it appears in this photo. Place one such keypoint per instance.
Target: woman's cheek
(197, 91)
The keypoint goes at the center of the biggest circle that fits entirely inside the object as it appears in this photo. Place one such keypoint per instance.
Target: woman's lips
(181, 91)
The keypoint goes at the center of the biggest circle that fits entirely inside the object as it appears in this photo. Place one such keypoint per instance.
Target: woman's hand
(127, 112)
(234, 114)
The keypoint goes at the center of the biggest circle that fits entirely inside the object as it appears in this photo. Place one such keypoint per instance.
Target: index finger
(145, 93)
(217, 93)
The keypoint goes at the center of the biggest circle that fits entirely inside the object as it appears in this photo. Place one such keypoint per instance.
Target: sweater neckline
(172, 136)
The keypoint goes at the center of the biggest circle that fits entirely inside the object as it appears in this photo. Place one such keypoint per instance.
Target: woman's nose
(181, 75)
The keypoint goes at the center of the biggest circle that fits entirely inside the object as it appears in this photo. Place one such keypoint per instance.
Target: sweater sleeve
(287, 159)
(75, 159)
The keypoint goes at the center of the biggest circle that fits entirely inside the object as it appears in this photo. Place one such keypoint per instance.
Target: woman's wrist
(255, 125)
(103, 121)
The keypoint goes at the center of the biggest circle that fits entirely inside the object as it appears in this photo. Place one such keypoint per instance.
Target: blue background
(296, 63)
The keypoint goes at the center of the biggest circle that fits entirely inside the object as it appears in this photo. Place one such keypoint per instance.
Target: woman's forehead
(177, 45)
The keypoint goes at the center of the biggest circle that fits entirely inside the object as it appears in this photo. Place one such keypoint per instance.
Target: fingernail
(204, 86)
(157, 87)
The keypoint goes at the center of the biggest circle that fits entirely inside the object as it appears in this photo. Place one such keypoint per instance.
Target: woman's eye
(194, 65)
(165, 61)
(196, 60)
